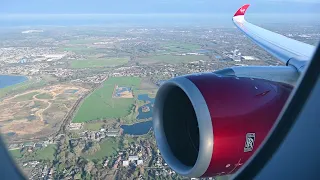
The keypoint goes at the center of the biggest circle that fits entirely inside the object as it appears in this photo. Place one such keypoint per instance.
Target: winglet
(242, 10)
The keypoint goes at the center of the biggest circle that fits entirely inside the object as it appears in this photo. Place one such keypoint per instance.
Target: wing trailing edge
(281, 47)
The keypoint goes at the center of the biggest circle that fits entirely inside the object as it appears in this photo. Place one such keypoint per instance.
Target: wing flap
(276, 44)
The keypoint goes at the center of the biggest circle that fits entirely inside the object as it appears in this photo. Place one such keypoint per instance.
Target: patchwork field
(101, 104)
(37, 113)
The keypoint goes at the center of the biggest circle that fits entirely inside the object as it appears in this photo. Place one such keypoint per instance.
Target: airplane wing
(282, 47)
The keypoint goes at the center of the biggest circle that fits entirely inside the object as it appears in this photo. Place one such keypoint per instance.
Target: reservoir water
(145, 98)
(137, 128)
(150, 102)
(7, 80)
(142, 127)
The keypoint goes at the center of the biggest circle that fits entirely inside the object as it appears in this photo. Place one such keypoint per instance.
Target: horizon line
(96, 14)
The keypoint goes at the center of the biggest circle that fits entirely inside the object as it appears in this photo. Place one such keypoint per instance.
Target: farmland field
(94, 63)
(101, 105)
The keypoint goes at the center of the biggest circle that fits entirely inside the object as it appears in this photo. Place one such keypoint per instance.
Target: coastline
(25, 78)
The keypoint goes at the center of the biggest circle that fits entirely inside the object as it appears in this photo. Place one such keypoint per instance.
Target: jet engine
(207, 125)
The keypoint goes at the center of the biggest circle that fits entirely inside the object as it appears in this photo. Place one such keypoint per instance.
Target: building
(140, 162)
(106, 163)
(133, 158)
(112, 134)
(75, 126)
(248, 58)
(125, 163)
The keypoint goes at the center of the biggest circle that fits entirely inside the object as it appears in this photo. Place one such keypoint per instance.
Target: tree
(88, 167)
(92, 147)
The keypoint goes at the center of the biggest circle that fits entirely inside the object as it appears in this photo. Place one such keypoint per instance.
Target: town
(85, 99)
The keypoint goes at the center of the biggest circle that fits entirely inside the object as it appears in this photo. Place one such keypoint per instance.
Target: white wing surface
(282, 47)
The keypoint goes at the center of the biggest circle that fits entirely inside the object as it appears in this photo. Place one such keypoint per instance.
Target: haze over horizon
(152, 12)
(155, 6)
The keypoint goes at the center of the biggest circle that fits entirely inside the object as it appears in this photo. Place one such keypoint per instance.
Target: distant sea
(220, 20)
(7, 80)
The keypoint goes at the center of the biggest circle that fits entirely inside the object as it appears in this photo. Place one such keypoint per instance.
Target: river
(7, 80)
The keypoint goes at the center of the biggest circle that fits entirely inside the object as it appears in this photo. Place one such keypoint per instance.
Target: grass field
(107, 148)
(173, 58)
(44, 96)
(46, 153)
(15, 153)
(101, 105)
(25, 97)
(94, 63)
(93, 126)
(180, 47)
(76, 49)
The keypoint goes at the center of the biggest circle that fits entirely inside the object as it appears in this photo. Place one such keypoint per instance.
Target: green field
(25, 97)
(180, 47)
(76, 49)
(107, 148)
(46, 153)
(94, 63)
(93, 126)
(101, 105)
(173, 58)
(15, 153)
(44, 96)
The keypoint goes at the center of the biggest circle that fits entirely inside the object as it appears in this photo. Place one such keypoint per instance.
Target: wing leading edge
(278, 45)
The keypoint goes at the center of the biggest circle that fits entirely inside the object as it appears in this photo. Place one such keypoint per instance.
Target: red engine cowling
(209, 125)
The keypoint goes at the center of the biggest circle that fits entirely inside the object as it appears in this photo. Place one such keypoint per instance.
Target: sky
(154, 6)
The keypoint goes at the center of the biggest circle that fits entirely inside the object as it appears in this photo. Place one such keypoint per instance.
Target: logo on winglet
(242, 10)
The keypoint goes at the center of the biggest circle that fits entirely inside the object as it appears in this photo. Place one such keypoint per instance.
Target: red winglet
(242, 10)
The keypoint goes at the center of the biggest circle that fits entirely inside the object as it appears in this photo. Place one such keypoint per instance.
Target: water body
(145, 98)
(7, 80)
(71, 91)
(10, 134)
(137, 128)
(145, 115)
(150, 101)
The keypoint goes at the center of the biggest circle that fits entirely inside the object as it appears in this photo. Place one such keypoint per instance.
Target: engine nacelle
(208, 125)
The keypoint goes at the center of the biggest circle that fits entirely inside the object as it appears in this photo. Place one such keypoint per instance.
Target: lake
(137, 128)
(145, 115)
(145, 98)
(150, 101)
(7, 80)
